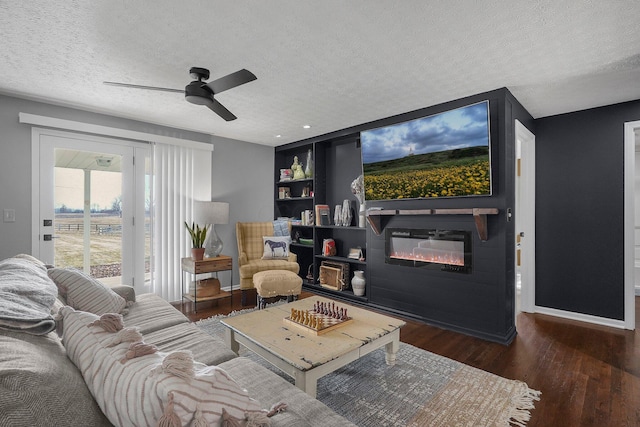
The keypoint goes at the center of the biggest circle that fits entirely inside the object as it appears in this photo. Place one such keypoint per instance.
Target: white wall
(637, 217)
(242, 172)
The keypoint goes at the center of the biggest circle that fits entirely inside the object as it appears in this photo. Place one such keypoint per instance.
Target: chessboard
(320, 320)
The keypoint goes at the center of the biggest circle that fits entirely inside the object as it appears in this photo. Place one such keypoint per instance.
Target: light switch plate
(9, 215)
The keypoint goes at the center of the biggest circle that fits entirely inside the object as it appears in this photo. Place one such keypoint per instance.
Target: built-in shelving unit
(333, 171)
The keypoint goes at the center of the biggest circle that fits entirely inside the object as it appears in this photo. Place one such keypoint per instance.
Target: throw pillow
(85, 293)
(151, 388)
(276, 247)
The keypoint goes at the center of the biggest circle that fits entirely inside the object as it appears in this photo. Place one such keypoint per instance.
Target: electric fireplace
(445, 250)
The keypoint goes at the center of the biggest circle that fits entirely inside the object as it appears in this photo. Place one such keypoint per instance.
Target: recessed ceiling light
(278, 136)
(307, 126)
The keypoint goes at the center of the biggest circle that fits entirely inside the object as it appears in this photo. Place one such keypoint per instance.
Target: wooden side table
(207, 265)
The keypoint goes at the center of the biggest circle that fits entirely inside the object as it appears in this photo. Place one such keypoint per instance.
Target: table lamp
(212, 213)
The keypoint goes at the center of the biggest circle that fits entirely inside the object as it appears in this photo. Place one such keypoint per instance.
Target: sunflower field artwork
(445, 155)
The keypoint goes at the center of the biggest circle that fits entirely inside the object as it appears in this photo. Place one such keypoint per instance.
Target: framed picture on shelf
(323, 215)
(356, 253)
(284, 192)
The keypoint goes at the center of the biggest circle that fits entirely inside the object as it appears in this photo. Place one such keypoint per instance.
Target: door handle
(48, 237)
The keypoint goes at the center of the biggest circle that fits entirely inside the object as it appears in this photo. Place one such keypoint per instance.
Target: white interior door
(89, 195)
(636, 264)
(525, 221)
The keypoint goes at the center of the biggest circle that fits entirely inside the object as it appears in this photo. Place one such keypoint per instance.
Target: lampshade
(211, 213)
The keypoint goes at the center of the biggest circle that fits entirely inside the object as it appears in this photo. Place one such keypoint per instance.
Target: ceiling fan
(200, 92)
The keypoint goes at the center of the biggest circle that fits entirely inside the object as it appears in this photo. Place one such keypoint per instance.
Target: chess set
(324, 317)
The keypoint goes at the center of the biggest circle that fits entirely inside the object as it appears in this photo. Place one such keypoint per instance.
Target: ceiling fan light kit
(202, 93)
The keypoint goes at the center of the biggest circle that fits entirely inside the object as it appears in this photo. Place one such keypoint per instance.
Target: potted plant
(198, 236)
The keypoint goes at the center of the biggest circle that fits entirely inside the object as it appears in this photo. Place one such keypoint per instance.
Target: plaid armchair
(250, 250)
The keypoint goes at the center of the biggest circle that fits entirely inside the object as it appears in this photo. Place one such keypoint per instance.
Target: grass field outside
(105, 243)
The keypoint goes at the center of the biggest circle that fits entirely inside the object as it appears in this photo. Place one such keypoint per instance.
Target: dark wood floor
(589, 375)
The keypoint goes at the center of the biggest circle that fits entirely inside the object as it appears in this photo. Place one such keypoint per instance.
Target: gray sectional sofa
(41, 386)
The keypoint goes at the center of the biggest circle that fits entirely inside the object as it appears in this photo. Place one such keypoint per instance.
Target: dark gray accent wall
(481, 303)
(580, 210)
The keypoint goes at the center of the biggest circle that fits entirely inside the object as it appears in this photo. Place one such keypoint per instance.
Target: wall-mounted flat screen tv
(444, 155)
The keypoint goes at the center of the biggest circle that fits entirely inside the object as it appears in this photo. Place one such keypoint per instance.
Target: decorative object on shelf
(346, 213)
(212, 213)
(358, 283)
(286, 174)
(322, 215)
(303, 241)
(308, 172)
(337, 215)
(356, 253)
(307, 217)
(357, 188)
(328, 247)
(310, 273)
(296, 167)
(198, 236)
(330, 277)
(284, 192)
(305, 191)
(205, 288)
(344, 272)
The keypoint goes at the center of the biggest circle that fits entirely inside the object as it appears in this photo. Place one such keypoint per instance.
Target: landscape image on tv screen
(444, 155)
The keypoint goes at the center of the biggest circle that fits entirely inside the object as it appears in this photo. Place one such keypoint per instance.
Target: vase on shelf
(346, 213)
(308, 172)
(337, 215)
(361, 215)
(358, 283)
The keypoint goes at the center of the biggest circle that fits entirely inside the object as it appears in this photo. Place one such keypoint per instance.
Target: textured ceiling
(330, 64)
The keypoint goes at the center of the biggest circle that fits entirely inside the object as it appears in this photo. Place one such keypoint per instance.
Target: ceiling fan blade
(220, 110)
(232, 80)
(161, 89)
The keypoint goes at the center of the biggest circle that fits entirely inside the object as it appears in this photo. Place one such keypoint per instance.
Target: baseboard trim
(587, 318)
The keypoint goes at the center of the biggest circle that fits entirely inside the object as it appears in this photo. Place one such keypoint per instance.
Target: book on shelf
(323, 215)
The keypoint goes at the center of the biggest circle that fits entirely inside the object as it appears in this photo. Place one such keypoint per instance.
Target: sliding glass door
(93, 208)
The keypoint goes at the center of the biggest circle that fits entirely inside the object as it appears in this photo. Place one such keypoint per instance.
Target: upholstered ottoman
(273, 283)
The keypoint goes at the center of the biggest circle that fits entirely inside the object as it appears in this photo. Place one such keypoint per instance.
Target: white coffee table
(305, 356)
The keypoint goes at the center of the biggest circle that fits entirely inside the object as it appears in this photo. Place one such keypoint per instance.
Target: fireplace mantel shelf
(378, 217)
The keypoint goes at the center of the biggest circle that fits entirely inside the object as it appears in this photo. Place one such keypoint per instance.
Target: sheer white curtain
(181, 175)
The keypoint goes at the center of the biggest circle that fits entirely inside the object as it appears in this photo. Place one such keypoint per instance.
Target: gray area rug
(421, 389)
